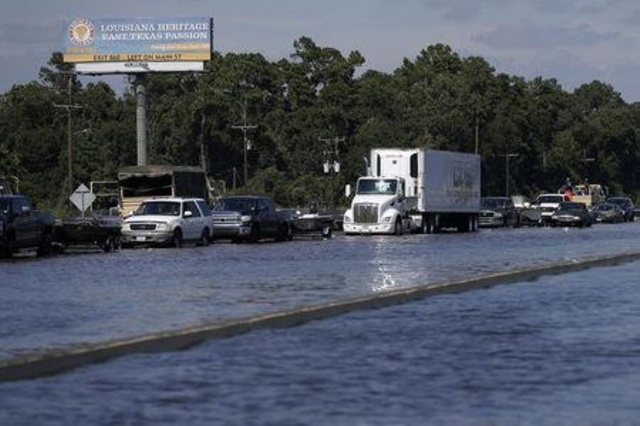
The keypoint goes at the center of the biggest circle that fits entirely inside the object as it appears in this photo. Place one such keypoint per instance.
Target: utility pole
(69, 107)
(331, 163)
(506, 184)
(245, 127)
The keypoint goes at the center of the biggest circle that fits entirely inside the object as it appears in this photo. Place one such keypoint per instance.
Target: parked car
(168, 222)
(627, 205)
(250, 218)
(548, 203)
(23, 227)
(571, 214)
(607, 213)
(497, 211)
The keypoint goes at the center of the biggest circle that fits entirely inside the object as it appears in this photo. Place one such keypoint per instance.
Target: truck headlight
(387, 219)
(162, 227)
(245, 218)
(126, 227)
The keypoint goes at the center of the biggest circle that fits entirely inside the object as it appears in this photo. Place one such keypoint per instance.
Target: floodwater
(563, 349)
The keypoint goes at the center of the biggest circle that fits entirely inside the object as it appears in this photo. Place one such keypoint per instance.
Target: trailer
(101, 232)
(139, 183)
(416, 190)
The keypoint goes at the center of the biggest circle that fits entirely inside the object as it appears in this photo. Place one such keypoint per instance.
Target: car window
(191, 207)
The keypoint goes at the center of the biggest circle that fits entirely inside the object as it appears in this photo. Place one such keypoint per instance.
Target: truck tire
(397, 228)
(426, 224)
(46, 244)
(7, 247)
(254, 236)
(284, 232)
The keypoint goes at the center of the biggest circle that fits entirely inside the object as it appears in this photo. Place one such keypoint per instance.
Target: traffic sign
(82, 198)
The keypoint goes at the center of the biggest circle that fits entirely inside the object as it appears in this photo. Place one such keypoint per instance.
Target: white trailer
(416, 190)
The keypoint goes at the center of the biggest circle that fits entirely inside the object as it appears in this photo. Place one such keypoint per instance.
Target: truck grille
(226, 220)
(365, 213)
(143, 226)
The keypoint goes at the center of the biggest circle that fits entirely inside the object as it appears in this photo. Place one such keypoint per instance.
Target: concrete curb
(52, 362)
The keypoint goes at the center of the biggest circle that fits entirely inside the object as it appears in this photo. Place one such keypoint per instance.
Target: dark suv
(627, 206)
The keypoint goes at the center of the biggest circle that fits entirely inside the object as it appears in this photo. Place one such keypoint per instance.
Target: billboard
(108, 45)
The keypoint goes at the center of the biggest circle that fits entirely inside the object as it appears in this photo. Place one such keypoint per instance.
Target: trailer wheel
(327, 232)
(108, 245)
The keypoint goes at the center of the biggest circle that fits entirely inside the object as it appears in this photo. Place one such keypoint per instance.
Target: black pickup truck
(22, 227)
(249, 218)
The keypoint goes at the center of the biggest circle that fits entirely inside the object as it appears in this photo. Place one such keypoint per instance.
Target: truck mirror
(187, 213)
(347, 190)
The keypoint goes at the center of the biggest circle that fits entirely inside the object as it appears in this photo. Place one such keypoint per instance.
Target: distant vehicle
(627, 206)
(23, 227)
(607, 213)
(571, 214)
(589, 194)
(249, 218)
(169, 221)
(497, 211)
(548, 203)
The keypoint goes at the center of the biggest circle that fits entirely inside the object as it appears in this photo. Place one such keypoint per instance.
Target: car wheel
(176, 239)
(204, 238)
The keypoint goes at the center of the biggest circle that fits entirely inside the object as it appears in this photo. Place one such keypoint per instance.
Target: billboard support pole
(141, 118)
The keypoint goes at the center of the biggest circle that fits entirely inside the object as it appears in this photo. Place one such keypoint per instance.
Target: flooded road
(509, 354)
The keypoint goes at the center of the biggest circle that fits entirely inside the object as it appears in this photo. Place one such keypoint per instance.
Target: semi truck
(416, 190)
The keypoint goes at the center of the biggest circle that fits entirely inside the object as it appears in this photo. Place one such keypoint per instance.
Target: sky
(573, 41)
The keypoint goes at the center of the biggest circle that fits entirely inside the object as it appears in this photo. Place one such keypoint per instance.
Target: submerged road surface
(562, 348)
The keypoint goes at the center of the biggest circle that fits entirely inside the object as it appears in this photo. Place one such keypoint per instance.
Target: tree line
(315, 107)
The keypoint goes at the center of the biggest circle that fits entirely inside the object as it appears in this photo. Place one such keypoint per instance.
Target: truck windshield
(377, 186)
(235, 205)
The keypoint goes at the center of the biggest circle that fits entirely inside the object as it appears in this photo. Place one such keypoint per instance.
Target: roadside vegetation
(437, 99)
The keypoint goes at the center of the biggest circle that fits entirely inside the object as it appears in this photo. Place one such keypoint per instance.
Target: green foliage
(439, 99)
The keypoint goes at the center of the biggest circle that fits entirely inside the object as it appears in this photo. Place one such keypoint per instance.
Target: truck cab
(379, 206)
(23, 227)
